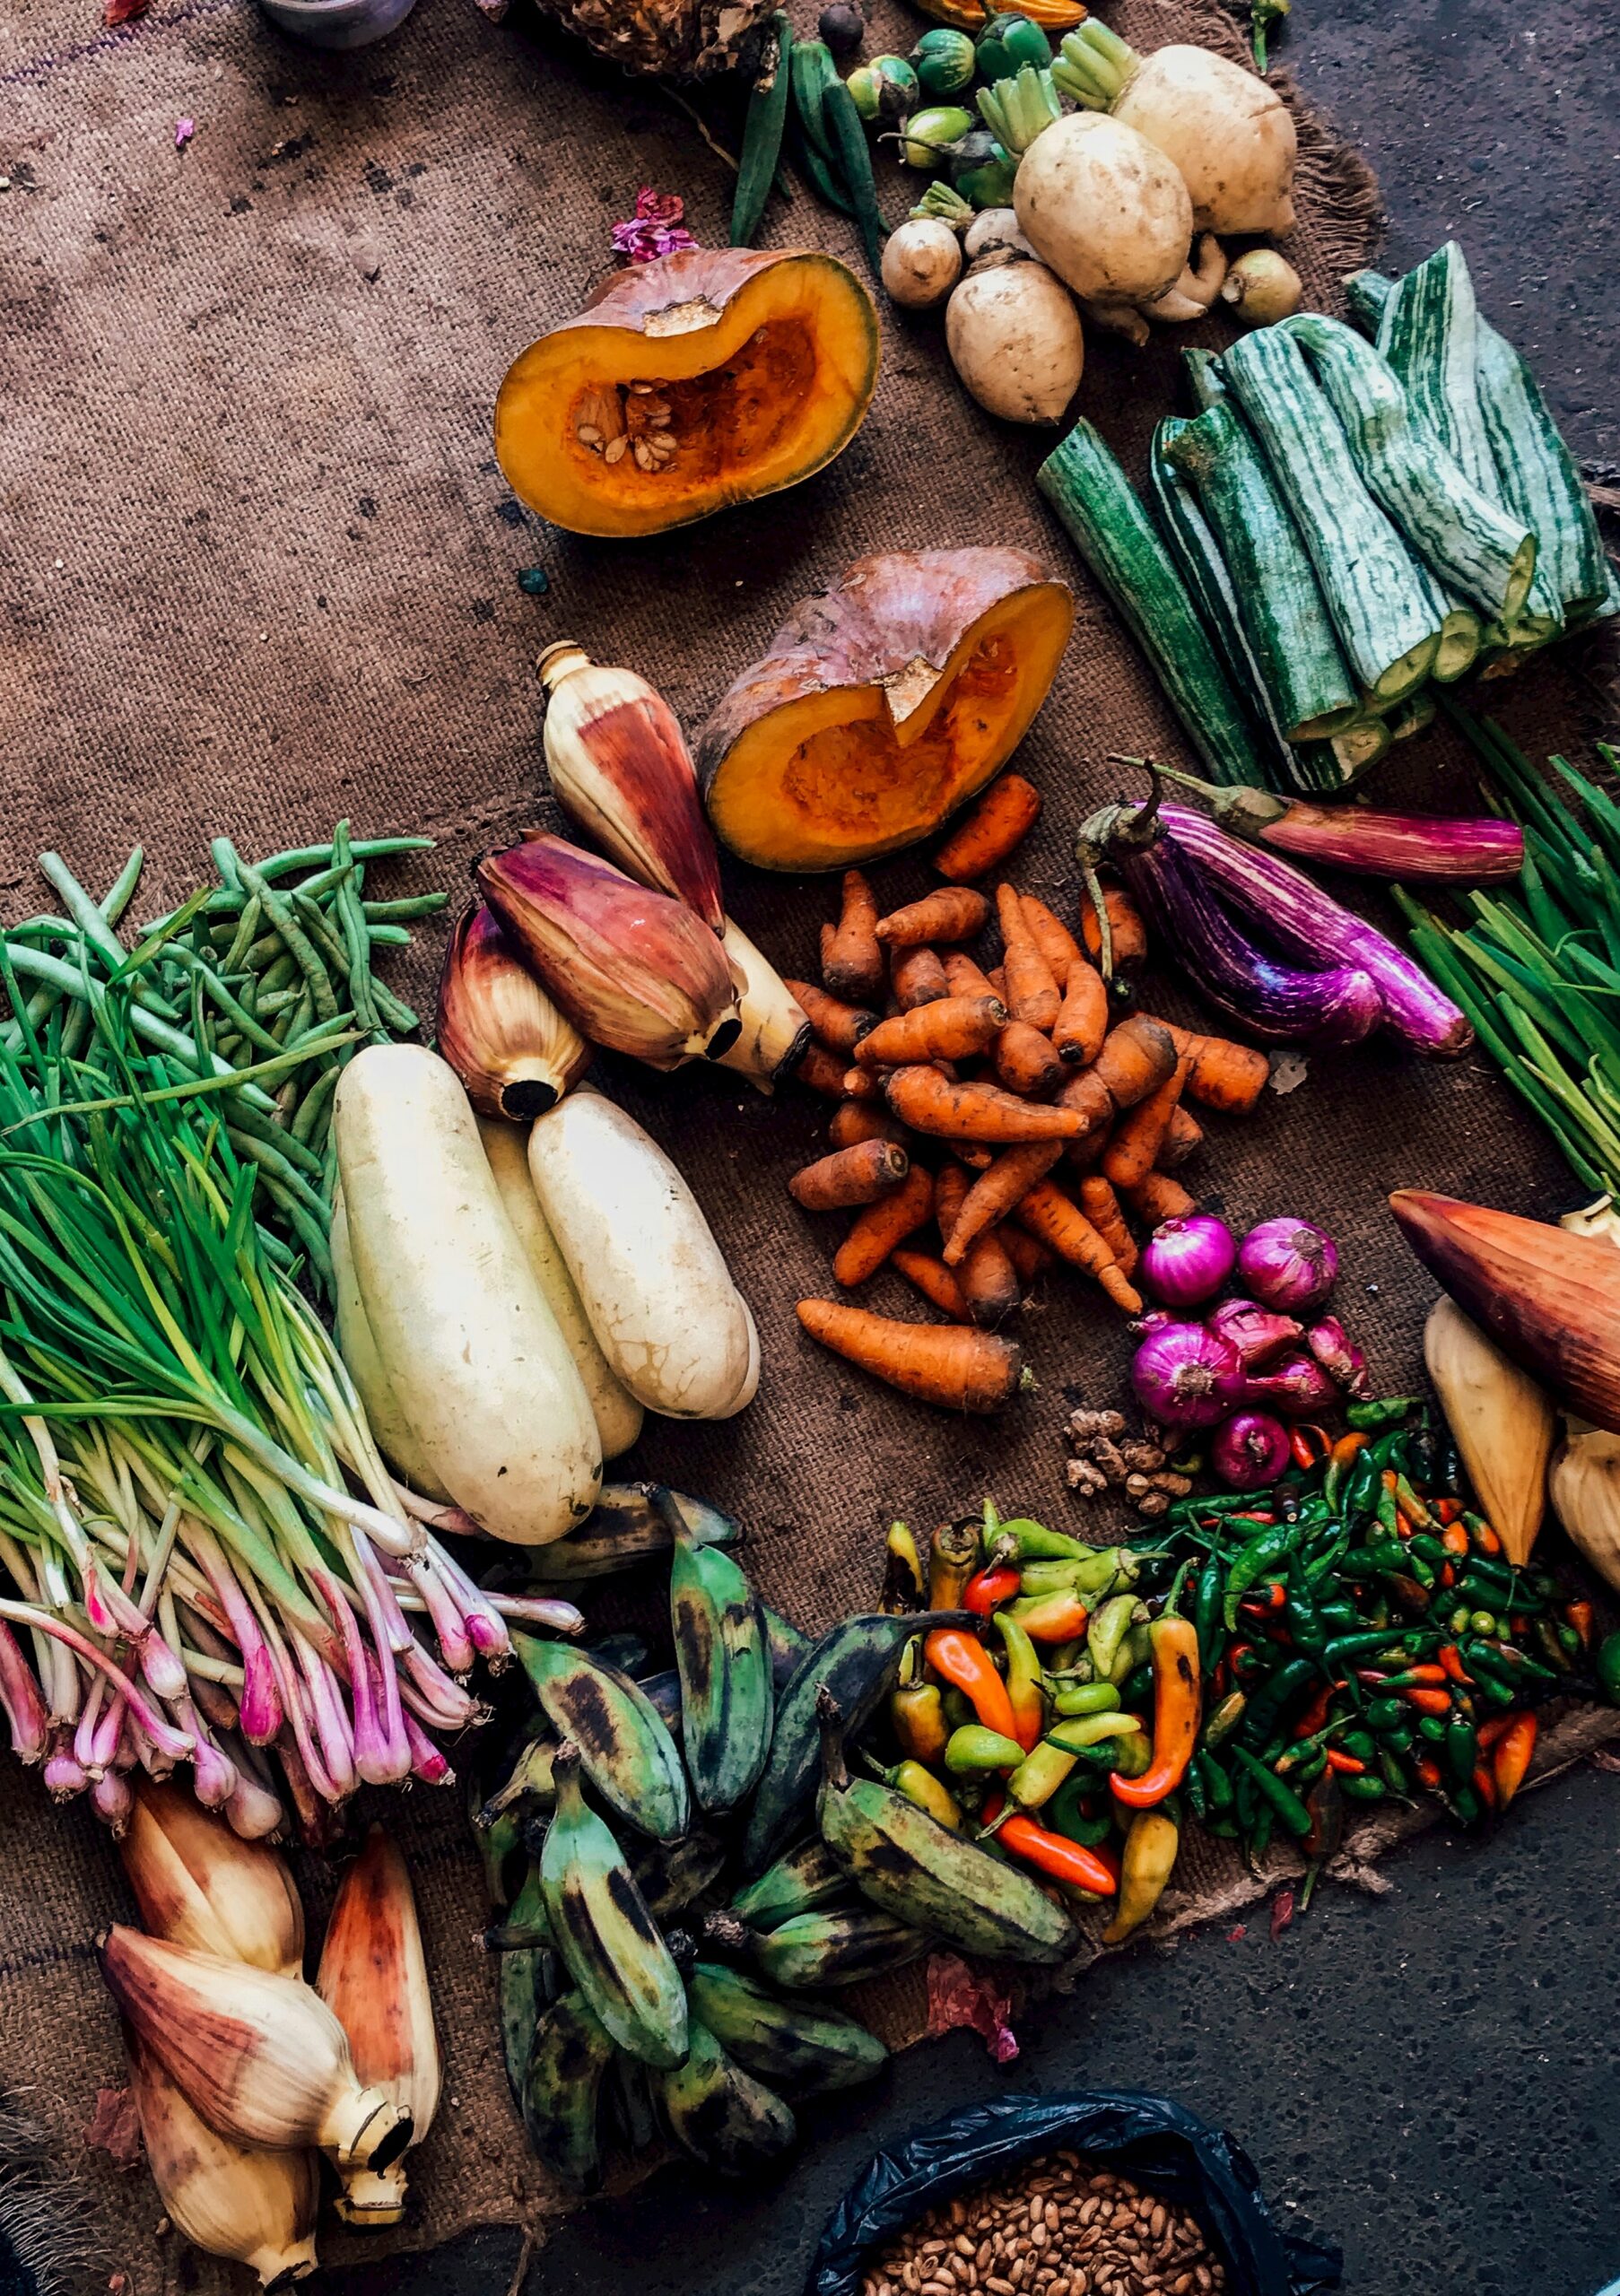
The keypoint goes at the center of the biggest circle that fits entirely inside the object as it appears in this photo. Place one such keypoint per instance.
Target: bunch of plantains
(682, 1862)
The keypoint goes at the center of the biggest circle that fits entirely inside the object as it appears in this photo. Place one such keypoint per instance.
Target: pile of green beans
(257, 989)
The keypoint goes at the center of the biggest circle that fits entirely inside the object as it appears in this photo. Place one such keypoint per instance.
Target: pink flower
(655, 228)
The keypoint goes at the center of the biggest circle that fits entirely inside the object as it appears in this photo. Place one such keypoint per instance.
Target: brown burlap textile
(257, 570)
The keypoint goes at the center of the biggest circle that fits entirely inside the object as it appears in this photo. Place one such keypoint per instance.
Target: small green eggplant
(884, 90)
(1007, 43)
(943, 62)
(927, 137)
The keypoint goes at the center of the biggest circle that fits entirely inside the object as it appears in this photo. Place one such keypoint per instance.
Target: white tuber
(1195, 290)
(922, 262)
(1263, 287)
(994, 227)
(1014, 338)
(1105, 209)
(1119, 319)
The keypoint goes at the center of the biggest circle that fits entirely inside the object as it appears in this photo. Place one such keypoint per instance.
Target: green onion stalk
(1537, 970)
(204, 1557)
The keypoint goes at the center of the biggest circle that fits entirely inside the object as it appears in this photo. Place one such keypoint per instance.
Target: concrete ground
(1428, 2078)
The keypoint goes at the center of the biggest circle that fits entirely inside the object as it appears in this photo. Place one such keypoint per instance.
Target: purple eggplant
(1414, 849)
(1310, 924)
(1272, 1000)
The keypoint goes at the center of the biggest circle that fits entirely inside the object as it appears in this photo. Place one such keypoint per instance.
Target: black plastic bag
(1147, 2138)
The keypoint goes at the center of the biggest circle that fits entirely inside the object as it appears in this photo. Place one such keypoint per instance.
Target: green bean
(191, 1088)
(310, 1224)
(243, 938)
(276, 975)
(388, 936)
(281, 914)
(293, 1023)
(66, 981)
(364, 849)
(357, 946)
(411, 905)
(121, 892)
(278, 1150)
(254, 1029)
(398, 1015)
(86, 914)
(225, 862)
(316, 1106)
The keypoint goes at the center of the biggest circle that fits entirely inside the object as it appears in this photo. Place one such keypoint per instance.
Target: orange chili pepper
(1450, 1660)
(1447, 1574)
(1178, 1710)
(1486, 1539)
(1427, 1701)
(1578, 1615)
(1345, 1450)
(1497, 1726)
(987, 1588)
(1454, 1538)
(1484, 1785)
(1450, 1512)
(1051, 1618)
(1403, 1528)
(1311, 1720)
(1055, 1854)
(968, 1666)
(1511, 1757)
(1309, 1444)
(1346, 1765)
(1428, 1772)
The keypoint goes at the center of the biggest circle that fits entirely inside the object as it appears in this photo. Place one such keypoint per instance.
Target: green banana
(671, 1875)
(788, 1644)
(725, 1670)
(623, 1649)
(720, 2114)
(627, 1753)
(562, 2090)
(529, 1781)
(630, 2102)
(626, 1527)
(525, 1981)
(800, 1880)
(663, 1692)
(909, 1866)
(803, 2048)
(610, 1945)
(526, 1925)
(815, 1952)
(855, 1661)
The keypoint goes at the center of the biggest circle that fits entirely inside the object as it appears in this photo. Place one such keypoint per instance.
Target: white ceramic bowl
(337, 23)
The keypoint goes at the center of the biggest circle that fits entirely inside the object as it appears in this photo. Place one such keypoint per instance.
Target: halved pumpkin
(883, 704)
(687, 383)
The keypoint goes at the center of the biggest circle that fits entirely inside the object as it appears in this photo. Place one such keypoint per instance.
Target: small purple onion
(1249, 1451)
(1297, 1387)
(1187, 1260)
(1288, 1263)
(1256, 1332)
(1187, 1377)
(1150, 1320)
(1339, 1356)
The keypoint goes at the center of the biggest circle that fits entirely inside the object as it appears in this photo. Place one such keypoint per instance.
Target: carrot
(876, 1230)
(853, 966)
(952, 913)
(956, 1027)
(1160, 1198)
(995, 1194)
(1134, 1150)
(1082, 1023)
(858, 1084)
(997, 977)
(921, 1098)
(1029, 1258)
(822, 1070)
(948, 1364)
(989, 1282)
(1183, 1136)
(1026, 1063)
(857, 1174)
(1101, 1207)
(951, 1187)
(934, 1280)
(1050, 1217)
(1051, 936)
(918, 977)
(963, 974)
(1031, 992)
(854, 1121)
(1002, 819)
(1225, 1075)
(1125, 924)
(829, 938)
(1134, 1060)
(839, 1026)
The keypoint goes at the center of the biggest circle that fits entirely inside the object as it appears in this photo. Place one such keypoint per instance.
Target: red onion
(1187, 1377)
(1256, 1332)
(1295, 1389)
(1339, 1356)
(1288, 1263)
(1249, 1451)
(1187, 1260)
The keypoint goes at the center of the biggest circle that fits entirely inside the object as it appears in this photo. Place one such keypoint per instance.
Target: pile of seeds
(1065, 2228)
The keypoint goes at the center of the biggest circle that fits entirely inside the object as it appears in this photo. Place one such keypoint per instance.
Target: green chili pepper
(1086, 1698)
(974, 1747)
(1282, 1797)
(1360, 1487)
(1467, 1806)
(1216, 1785)
(1105, 1632)
(1225, 1719)
(1365, 1788)
(1547, 1634)
(1207, 1613)
(1433, 1727)
(1260, 1832)
(1271, 1701)
(1138, 1687)
(1373, 1418)
(763, 127)
(1259, 1556)
(1384, 1715)
(1063, 1814)
(1607, 1667)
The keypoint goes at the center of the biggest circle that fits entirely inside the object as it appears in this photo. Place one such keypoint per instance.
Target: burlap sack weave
(257, 568)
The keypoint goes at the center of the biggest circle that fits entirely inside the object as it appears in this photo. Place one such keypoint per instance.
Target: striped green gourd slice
(1302, 672)
(1113, 533)
(1456, 529)
(1380, 606)
(1539, 478)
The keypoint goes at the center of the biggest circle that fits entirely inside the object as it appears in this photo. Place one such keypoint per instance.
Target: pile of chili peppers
(1269, 1666)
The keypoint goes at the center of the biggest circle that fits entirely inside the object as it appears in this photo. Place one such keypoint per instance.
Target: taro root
(883, 703)
(700, 380)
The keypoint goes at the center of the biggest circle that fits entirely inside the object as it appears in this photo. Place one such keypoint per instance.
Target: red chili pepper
(1511, 1757)
(1403, 1528)
(1346, 1765)
(1452, 1666)
(1241, 1658)
(989, 1588)
(1428, 1772)
(1454, 1538)
(1311, 1720)
(1310, 1445)
(1578, 1615)
(1064, 1860)
(1447, 1574)
(1484, 1785)
(1427, 1701)
(1497, 1726)
(1450, 1512)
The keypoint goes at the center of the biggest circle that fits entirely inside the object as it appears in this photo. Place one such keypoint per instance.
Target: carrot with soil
(851, 1176)
(882, 1225)
(923, 1099)
(1051, 936)
(997, 1193)
(1031, 992)
(956, 1027)
(1101, 1207)
(1127, 932)
(1026, 1063)
(918, 977)
(834, 1023)
(1081, 1027)
(1053, 1220)
(1225, 1076)
(934, 1280)
(1160, 1196)
(852, 964)
(951, 1365)
(952, 913)
(854, 1121)
(1133, 1151)
(822, 1071)
(1000, 822)
(964, 976)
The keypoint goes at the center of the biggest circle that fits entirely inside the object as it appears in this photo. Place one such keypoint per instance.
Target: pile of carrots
(1063, 1122)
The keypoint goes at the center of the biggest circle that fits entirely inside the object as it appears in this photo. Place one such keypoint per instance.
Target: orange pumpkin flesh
(757, 366)
(881, 706)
